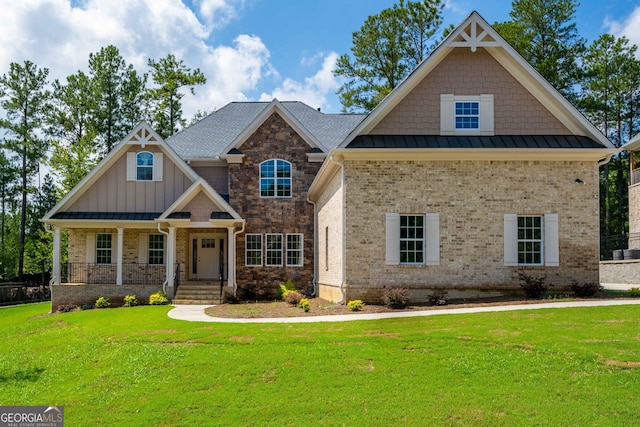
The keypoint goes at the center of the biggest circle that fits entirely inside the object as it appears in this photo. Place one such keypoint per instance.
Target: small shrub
(158, 298)
(130, 301)
(355, 305)
(66, 308)
(395, 297)
(284, 289)
(586, 289)
(436, 299)
(103, 302)
(84, 307)
(634, 292)
(534, 287)
(293, 297)
(256, 291)
(304, 304)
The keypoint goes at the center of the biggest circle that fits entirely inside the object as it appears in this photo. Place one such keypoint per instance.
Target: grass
(135, 366)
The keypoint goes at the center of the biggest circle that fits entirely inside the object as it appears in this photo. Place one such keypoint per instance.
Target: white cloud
(314, 90)
(629, 27)
(218, 13)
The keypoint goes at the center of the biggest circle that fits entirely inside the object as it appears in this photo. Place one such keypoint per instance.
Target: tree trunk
(23, 215)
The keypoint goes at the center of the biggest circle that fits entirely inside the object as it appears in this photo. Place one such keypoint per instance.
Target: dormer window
(144, 166)
(466, 115)
(275, 178)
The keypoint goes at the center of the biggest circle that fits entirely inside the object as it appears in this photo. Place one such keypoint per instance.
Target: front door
(205, 250)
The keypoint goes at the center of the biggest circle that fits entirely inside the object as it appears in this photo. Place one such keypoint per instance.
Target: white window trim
(110, 249)
(541, 241)
(247, 251)
(448, 115)
(132, 166)
(431, 242)
(164, 248)
(301, 250)
(550, 241)
(267, 250)
(275, 190)
(422, 239)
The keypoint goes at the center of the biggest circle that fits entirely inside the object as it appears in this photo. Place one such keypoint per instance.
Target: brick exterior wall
(274, 139)
(516, 111)
(634, 210)
(88, 294)
(471, 198)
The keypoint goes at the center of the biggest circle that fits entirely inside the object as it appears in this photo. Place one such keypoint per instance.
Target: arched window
(144, 166)
(275, 178)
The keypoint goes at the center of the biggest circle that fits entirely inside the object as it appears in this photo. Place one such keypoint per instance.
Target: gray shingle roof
(209, 137)
(498, 141)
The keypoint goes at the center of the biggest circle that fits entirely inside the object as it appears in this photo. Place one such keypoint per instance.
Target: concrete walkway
(195, 313)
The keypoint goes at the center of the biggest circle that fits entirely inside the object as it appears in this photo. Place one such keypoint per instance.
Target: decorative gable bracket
(144, 136)
(469, 37)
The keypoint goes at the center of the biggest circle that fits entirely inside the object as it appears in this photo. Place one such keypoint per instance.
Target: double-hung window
(103, 248)
(273, 254)
(466, 115)
(253, 250)
(530, 240)
(156, 249)
(411, 239)
(275, 178)
(294, 250)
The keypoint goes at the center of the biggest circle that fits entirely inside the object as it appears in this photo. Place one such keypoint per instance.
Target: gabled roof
(476, 33)
(633, 144)
(141, 135)
(229, 127)
(199, 186)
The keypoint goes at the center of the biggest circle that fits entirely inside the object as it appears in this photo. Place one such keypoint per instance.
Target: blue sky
(248, 49)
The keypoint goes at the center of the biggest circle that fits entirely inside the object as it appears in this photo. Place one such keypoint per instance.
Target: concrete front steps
(198, 293)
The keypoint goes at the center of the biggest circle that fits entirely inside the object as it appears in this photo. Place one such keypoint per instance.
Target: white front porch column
(231, 264)
(171, 256)
(56, 256)
(120, 246)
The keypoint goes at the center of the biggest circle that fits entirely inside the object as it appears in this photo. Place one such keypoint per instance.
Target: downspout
(344, 259)
(235, 285)
(315, 248)
(166, 280)
(605, 160)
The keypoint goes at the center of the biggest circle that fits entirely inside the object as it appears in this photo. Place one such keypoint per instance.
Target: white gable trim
(200, 185)
(481, 34)
(275, 106)
(141, 135)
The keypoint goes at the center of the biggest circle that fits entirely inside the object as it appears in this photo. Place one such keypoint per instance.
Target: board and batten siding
(113, 193)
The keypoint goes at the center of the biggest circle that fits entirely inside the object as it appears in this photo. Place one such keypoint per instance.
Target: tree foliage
(385, 49)
(170, 75)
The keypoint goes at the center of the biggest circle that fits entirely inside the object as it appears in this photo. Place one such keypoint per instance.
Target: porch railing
(132, 273)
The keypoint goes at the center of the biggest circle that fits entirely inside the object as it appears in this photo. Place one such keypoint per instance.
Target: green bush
(103, 302)
(395, 297)
(534, 287)
(585, 290)
(66, 308)
(634, 292)
(284, 289)
(130, 301)
(304, 304)
(158, 298)
(293, 297)
(355, 305)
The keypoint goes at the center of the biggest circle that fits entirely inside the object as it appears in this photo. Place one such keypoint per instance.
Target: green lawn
(135, 366)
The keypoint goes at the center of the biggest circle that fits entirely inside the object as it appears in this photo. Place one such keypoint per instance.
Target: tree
(26, 103)
(386, 48)
(609, 98)
(118, 92)
(170, 75)
(8, 181)
(544, 32)
(39, 246)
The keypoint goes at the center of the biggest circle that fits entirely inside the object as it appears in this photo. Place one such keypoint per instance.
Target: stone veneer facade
(471, 198)
(274, 139)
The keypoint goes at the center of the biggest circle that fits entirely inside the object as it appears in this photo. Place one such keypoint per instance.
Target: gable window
(273, 254)
(144, 166)
(294, 250)
(466, 115)
(253, 250)
(103, 248)
(411, 239)
(531, 240)
(275, 178)
(156, 249)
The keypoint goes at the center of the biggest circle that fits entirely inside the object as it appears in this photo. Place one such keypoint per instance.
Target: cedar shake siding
(516, 111)
(274, 139)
